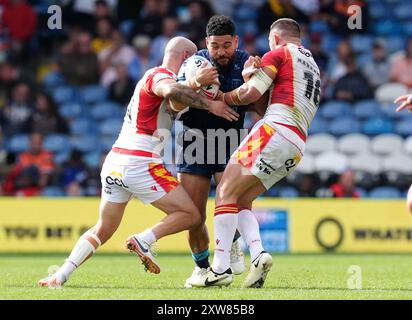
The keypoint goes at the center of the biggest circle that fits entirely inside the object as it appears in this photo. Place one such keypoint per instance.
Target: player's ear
(236, 41)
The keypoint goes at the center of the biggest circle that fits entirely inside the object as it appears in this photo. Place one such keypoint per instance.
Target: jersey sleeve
(155, 78)
(274, 59)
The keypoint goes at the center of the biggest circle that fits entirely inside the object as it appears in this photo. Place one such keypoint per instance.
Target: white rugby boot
(259, 269)
(237, 258)
(143, 251)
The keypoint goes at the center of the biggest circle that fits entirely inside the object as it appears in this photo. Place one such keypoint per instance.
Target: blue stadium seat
(387, 27)
(53, 191)
(361, 42)
(334, 109)
(53, 80)
(106, 110)
(318, 26)
(107, 142)
(64, 94)
(378, 125)
(385, 193)
(318, 125)
(367, 109)
(86, 143)
(71, 110)
(403, 11)
(377, 10)
(407, 28)
(288, 192)
(362, 192)
(245, 12)
(340, 127)
(111, 127)
(93, 94)
(92, 159)
(394, 43)
(57, 142)
(62, 156)
(82, 126)
(18, 143)
(404, 127)
(390, 111)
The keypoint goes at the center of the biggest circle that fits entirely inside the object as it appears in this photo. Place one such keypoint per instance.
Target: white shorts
(270, 152)
(126, 176)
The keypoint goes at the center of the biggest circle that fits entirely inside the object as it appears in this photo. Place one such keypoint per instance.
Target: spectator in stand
(21, 20)
(401, 68)
(8, 77)
(74, 173)
(199, 12)
(275, 9)
(353, 86)
(78, 63)
(377, 69)
(149, 21)
(46, 119)
(17, 111)
(103, 39)
(319, 56)
(170, 26)
(118, 52)
(307, 186)
(335, 13)
(122, 89)
(33, 170)
(338, 64)
(141, 61)
(345, 187)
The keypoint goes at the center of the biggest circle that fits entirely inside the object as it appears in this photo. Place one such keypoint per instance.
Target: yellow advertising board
(308, 225)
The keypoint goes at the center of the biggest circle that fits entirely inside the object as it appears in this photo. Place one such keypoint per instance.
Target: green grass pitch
(121, 276)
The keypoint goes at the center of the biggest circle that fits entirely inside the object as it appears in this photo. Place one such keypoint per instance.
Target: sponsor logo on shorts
(264, 167)
(115, 178)
(291, 163)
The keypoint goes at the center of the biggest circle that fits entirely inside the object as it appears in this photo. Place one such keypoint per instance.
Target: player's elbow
(250, 95)
(170, 91)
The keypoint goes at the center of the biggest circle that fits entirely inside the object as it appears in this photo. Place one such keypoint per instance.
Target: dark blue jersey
(230, 78)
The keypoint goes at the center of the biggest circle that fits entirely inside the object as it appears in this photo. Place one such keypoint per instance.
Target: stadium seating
(388, 92)
(57, 143)
(385, 193)
(353, 143)
(319, 143)
(386, 144)
(18, 143)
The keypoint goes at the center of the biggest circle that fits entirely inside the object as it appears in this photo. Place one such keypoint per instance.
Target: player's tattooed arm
(252, 90)
(182, 94)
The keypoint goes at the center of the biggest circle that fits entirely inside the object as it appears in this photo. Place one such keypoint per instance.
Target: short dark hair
(287, 26)
(220, 25)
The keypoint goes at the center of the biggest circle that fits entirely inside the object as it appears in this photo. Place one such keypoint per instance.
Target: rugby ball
(188, 71)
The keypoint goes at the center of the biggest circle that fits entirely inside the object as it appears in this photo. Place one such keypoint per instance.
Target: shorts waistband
(138, 153)
(294, 129)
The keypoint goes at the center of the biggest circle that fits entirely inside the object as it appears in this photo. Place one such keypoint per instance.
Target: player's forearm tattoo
(188, 97)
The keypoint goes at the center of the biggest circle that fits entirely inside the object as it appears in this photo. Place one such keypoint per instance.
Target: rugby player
(227, 65)
(270, 152)
(134, 168)
(406, 103)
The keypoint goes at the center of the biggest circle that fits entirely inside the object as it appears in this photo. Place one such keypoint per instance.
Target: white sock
(147, 236)
(80, 252)
(249, 230)
(225, 224)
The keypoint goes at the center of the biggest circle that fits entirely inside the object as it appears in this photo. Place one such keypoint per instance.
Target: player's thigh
(176, 200)
(236, 180)
(197, 187)
(247, 198)
(110, 216)
(409, 200)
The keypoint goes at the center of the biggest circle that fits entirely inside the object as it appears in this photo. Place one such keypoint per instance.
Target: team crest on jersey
(236, 83)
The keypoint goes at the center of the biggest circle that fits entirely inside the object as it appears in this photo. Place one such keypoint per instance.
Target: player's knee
(194, 217)
(103, 233)
(226, 192)
(409, 203)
